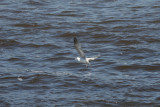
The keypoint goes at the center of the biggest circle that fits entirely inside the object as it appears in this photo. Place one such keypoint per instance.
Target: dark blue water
(37, 54)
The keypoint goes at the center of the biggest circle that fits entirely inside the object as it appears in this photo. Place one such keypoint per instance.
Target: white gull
(82, 57)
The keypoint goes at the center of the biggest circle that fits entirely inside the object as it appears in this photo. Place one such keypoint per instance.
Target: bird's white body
(86, 60)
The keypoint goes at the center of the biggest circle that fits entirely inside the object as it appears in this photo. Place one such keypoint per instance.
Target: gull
(82, 57)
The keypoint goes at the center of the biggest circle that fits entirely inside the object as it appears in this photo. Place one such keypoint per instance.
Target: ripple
(127, 42)
(137, 67)
(41, 46)
(68, 34)
(26, 25)
(153, 88)
(34, 3)
(14, 59)
(8, 43)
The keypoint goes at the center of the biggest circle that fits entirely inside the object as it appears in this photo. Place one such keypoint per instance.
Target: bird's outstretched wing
(78, 48)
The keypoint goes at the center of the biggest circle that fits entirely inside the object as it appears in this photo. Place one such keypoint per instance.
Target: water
(37, 66)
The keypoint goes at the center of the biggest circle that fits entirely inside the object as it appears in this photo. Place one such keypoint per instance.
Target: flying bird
(82, 57)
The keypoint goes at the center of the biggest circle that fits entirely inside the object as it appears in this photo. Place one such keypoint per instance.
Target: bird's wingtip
(75, 40)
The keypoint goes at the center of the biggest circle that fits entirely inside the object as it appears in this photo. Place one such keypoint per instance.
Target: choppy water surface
(37, 66)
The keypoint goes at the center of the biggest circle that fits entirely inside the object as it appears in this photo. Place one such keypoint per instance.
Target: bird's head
(77, 58)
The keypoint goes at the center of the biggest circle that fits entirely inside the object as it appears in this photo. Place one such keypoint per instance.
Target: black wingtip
(75, 40)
